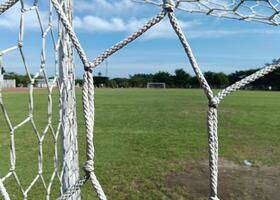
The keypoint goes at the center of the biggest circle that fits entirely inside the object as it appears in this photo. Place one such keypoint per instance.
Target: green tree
(79, 82)
(21, 80)
(163, 77)
(100, 81)
(216, 80)
(112, 83)
(181, 79)
(122, 82)
(140, 80)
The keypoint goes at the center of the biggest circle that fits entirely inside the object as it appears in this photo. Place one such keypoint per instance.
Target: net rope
(228, 9)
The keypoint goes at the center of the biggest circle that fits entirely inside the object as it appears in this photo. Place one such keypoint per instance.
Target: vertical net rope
(237, 9)
(69, 143)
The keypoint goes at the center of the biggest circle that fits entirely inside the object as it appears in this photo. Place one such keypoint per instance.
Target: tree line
(180, 79)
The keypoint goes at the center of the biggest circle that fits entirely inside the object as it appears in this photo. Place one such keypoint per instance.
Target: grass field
(152, 144)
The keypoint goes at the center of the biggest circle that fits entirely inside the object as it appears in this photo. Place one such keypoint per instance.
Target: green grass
(142, 135)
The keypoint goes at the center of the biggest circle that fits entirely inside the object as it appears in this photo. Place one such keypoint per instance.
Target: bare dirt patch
(236, 182)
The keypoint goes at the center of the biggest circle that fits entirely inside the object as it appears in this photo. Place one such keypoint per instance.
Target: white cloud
(92, 23)
(161, 30)
(106, 7)
(212, 33)
(225, 33)
(165, 30)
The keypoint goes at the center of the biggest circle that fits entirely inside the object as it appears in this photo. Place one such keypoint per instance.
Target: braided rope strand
(67, 25)
(89, 121)
(247, 80)
(7, 5)
(73, 189)
(212, 120)
(212, 125)
(177, 28)
(97, 186)
(88, 105)
(129, 39)
(3, 191)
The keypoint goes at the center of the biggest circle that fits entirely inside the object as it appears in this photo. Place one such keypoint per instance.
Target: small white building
(41, 83)
(7, 83)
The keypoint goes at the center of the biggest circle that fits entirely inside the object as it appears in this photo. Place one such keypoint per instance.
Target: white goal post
(156, 85)
(264, 11)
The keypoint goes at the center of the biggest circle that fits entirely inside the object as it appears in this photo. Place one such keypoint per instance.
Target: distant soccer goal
(156, 85)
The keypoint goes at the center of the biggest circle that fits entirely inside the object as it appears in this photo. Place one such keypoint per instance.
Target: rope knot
(87, 67)
(214, 102)
(20, 44)
(89, 166)
(168, 5)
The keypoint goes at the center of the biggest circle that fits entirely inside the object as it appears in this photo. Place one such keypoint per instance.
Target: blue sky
(220, 45)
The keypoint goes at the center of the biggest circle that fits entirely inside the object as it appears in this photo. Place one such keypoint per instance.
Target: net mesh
(265, 11)
(49, 132)
(262, 11)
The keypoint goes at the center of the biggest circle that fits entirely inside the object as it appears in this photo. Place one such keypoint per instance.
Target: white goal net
(156, 85)
(63, 129)
(265, 11)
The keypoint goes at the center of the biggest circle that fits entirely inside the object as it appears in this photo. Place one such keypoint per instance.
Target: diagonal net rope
(6, 5)
(229, 9)
(3, 191)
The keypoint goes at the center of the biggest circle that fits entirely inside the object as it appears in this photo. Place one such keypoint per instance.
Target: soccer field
(152, 144)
